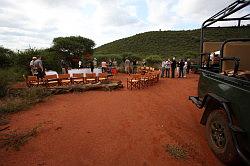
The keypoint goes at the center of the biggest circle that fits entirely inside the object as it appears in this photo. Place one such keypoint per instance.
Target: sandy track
(115, 128)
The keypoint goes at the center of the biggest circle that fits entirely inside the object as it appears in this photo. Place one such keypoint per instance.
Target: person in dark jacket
(181, 67)
(173, 67)
(92, 66)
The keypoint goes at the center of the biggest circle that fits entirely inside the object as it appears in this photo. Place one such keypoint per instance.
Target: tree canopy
(73, 46)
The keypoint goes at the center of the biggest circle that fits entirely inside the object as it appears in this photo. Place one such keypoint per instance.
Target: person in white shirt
(104, 66)
(167, 68)
(32, 66)
(80, 64)
(185, 68)
(127, 66)
(163, 64)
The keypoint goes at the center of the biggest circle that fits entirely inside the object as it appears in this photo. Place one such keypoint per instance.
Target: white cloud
(37, 22)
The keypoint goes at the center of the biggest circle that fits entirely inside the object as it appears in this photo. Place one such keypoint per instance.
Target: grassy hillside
(170, 43)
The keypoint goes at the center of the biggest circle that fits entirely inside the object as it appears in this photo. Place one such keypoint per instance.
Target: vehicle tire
(219, 137)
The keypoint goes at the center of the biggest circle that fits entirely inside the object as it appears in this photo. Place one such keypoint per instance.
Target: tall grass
(22, 99)
(9, 76)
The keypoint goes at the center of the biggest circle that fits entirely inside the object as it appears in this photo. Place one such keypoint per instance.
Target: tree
(73, 47)
(5, 57)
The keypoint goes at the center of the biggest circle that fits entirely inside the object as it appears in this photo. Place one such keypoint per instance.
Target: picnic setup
(173, 93)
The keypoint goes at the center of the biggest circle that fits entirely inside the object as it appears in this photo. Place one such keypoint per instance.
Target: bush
(22, 99)
(9, 76)
(153, 60)
(131, 56)
(51, 60)
(5, 57)
(106, 57)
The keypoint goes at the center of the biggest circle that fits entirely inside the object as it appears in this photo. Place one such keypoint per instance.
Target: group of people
(36, 67)
(131, 66)
(182, 67)
(109, 66)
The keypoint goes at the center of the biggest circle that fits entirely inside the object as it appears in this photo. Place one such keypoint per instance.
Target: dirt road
(115, 128)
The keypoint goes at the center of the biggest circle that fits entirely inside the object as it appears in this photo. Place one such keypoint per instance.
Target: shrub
(22, 99)
(9, 76)
(153, 60)
(106, 57)
(5, 57)
(131, 56)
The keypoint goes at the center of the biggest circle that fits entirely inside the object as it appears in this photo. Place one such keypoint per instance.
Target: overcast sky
(34, 23)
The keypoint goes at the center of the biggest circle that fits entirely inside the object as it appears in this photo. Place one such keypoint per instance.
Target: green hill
(170, 43)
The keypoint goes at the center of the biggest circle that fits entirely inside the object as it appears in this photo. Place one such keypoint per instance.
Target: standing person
(163, 64)
(185, 68)
(40, 69)
(167, 68)
(110, 64)
(32, 67)
(173, 66)
(115, 63)
(134, 63)
(178, 67)
(188, 65)
(127, 66)
(95, 62)
(104, 66)
(80, 64)
(64, 67)
(115, 67)
(181, 66)
(144, 62)
(92, 66)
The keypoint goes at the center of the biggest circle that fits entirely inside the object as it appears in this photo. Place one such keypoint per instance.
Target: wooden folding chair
(91, 78)
(102, 77)
(31, 81)
(146, 80)
(51, 80)
(77, 78)
(64, 79)
(134, 81)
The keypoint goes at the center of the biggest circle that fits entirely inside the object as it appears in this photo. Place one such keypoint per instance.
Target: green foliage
(131, 56)
(22, 58)
(51, 60)
(154, 61)
(73, 47)
(171, 43)
(106, 57)
(9, 76)
(5, 57)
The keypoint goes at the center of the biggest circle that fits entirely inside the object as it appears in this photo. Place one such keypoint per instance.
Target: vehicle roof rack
(223, 16)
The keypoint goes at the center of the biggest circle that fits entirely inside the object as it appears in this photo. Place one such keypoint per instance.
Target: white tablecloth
(84, 71)
(51, 72)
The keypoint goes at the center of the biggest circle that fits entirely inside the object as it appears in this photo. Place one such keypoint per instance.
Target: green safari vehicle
(224, 91)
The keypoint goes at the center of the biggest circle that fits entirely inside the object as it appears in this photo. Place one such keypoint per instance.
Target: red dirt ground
(115, 128)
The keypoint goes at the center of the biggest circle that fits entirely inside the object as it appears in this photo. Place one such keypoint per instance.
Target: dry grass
(14, 139)
(22, 99)
(177, 152)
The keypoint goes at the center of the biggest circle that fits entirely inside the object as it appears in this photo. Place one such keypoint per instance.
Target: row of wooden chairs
(145, 69)
(65, 79)
(138, 81)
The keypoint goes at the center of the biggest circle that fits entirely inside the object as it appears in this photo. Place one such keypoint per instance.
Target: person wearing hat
(95, 62)
(39, 67)
(32, 66)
